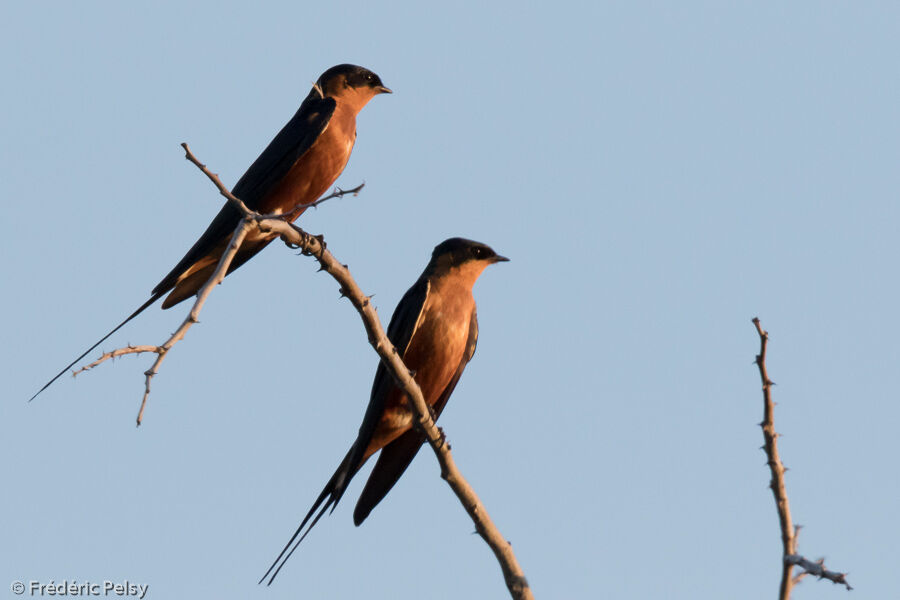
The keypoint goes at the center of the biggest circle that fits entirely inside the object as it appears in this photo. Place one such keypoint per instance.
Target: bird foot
(322, 245)
(303, 236)
(304, 244)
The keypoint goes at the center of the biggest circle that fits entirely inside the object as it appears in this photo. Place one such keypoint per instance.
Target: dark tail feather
(285, 553)
(143, 306)
(391, 463)
(333, 491)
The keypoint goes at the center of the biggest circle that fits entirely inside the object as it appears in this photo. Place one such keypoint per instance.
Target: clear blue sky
(659, 174)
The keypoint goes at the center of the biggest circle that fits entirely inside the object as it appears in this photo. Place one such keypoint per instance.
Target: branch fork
(315, 246)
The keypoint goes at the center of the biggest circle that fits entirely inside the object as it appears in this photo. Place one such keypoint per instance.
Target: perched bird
(294, 170)
(434, 329)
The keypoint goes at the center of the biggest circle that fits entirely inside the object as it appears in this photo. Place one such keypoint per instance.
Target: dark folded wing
(294, 139)
(400, 332)
(289, 145)
(397, 456)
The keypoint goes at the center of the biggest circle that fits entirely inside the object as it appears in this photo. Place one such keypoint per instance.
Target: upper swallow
(295, 169)
(435, 330)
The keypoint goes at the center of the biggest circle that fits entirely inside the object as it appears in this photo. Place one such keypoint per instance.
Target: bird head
(464, 258)
(350, 83)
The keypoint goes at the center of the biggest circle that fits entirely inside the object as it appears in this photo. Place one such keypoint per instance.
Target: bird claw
(322, 245)
(307, 239)
(303, 236)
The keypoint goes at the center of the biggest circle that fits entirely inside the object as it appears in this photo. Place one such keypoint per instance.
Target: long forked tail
(330, 496)
(143, 306)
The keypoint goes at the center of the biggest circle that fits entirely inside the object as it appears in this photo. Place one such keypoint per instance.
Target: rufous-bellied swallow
(295, 169)
(434, 329)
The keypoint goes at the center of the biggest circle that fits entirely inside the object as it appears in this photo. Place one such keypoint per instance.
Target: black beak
(498, 258)
(383, 90)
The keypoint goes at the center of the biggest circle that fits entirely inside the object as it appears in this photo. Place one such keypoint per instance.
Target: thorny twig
(788, 531)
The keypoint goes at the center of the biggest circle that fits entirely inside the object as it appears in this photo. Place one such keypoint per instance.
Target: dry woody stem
(790, 558)
(314, 246)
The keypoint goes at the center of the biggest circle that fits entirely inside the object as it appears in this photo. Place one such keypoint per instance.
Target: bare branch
(775, 465)
(215, 279)
(816, 568)
(788, 531)
(237, 202)
(116, 354)
(194, 315)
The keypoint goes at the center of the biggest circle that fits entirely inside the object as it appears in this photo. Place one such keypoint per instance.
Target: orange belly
(312, 174)
(434, 354)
